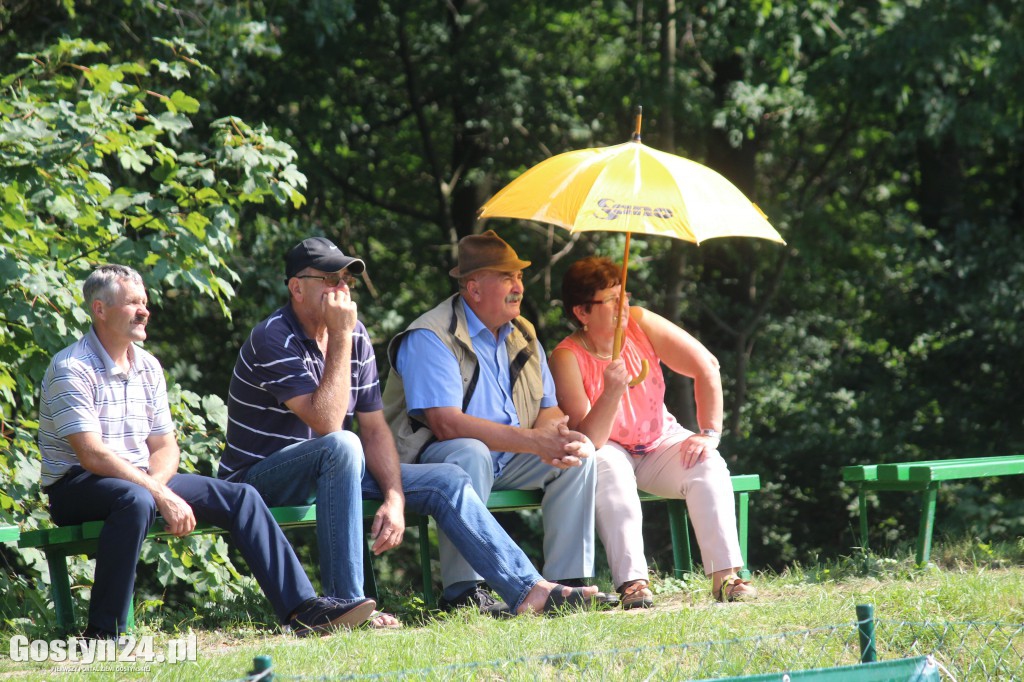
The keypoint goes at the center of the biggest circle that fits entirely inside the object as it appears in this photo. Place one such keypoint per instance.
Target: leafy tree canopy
(99, 163)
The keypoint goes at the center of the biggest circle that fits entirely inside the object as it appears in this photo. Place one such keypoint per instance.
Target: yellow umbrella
(634, 189)
(631, 188)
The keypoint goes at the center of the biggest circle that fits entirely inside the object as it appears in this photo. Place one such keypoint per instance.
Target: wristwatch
(711, 433)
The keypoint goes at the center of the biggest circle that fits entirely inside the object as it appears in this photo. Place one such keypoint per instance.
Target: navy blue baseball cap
(322, 254)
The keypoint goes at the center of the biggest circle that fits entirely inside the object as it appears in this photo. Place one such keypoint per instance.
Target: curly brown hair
(584, 279)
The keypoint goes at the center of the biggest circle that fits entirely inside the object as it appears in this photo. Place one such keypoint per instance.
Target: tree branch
(429, 153)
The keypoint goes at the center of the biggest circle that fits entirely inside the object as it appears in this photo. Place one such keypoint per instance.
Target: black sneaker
(323, 614)
(92, 633)
(481, 599)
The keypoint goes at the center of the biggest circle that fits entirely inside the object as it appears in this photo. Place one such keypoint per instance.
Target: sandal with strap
(734, 588)
(560, 602)
(379, 620)
(636, 594)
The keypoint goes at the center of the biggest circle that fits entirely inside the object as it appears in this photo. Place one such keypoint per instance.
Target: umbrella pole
(620, 324)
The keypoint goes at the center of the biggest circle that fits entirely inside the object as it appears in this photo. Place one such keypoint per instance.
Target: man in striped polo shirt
(109, 454)
(301, 379)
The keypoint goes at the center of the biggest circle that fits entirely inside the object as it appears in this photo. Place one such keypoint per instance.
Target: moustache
(140, 320)
(513, 298)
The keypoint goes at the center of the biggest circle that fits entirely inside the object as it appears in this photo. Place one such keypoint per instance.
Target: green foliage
(100, 162)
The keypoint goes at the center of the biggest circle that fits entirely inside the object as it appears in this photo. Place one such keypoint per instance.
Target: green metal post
(262, 668)
(866, 630)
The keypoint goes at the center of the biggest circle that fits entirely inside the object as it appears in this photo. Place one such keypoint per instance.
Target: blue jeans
(331, 471)
(128, 510)
(567, 507)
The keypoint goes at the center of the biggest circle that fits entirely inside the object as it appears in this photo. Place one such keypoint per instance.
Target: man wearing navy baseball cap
(304, 375)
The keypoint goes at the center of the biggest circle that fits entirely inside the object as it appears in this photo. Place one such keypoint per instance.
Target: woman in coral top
(641, 445)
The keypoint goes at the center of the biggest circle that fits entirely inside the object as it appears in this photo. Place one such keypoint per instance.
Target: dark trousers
(128, 510)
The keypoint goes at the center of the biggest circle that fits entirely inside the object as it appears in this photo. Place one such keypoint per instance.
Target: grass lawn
(970, 614)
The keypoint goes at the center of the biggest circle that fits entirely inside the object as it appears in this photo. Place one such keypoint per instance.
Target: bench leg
(60, 590)
(742, 521)
(678, 525)
(428, 584)
(369, 578)
(924, 536)
(862, 509)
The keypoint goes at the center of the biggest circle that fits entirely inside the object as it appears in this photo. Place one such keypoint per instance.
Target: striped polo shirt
(84, 391)
(275, 364)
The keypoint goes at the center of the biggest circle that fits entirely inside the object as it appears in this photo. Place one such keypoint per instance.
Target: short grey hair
(105, 283)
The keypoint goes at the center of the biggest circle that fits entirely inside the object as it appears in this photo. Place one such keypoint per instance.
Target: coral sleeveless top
(642, 418)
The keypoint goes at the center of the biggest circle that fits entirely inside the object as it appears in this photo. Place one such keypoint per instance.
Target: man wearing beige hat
(470, 386)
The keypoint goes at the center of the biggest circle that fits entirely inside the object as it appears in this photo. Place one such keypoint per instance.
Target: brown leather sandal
(636, 595)
(733, 588)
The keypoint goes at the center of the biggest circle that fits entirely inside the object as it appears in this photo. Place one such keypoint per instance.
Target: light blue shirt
(435, 380)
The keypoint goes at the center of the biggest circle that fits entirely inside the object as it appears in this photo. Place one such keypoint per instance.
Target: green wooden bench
(57, 544)
(924, 477)
(9, 533)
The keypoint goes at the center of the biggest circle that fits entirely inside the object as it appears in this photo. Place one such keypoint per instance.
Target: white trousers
(706, 487)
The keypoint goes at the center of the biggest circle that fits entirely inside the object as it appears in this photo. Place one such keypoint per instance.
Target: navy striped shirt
(276, 363)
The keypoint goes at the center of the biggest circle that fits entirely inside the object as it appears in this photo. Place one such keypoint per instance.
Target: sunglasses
(611, 299)
(334, 279)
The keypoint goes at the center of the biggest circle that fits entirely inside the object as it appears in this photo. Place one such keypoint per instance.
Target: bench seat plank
(964, 470)
(860, 472)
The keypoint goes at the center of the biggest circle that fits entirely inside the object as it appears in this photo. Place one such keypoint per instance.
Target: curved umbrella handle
(645, 366)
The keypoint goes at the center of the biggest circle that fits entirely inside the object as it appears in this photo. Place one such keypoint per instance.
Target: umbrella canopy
(634, 189)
